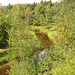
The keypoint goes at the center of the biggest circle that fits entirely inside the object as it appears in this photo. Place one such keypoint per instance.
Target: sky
(6, 2)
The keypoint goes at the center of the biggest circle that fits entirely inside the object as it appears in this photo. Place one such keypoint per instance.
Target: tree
(38, 13)
(21, 46)
(27, 14)
(4, 26)
(39, 9)
(9, 6)
(49, 13)
(33, 6)
(1, 7)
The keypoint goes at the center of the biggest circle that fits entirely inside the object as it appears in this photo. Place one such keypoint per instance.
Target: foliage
(57, 19)
(27, 14)
(4, 26)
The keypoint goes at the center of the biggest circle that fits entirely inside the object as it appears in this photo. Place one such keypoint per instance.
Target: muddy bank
(4, 68)
(43, 39)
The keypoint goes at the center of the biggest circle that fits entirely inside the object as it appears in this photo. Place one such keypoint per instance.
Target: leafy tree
(0, 6)
(33, 6)
(22, 44)
(39, 9)
(5, 9)
(9, 6)
(4, 26)
(27, 14)
(49, 13)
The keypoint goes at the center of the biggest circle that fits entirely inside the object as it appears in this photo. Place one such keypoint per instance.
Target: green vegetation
(22, 46)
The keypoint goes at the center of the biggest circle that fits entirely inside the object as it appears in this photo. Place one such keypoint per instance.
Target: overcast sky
(6, 2)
